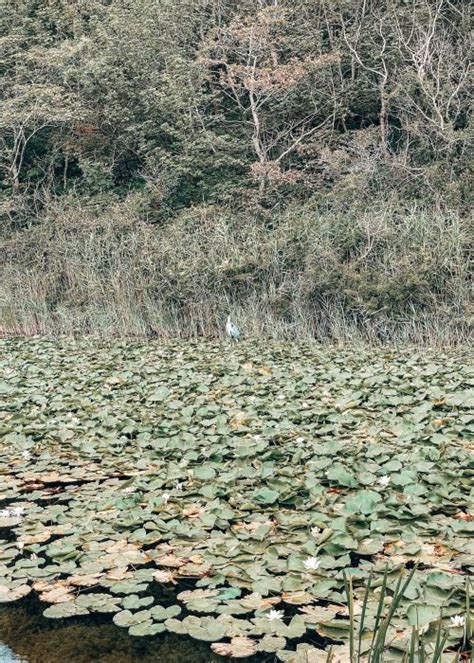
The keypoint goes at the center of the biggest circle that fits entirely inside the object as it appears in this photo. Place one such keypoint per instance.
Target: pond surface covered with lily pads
(224, 493)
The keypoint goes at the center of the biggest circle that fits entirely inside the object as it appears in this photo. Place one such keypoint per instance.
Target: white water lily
(458, 620)
(165, 497)
(315, 531)
(16, 512)
(20, 545)
(26, 454)
(384, 481)
(300, 439)
(312, 563)
(274, 615)
(178, 485)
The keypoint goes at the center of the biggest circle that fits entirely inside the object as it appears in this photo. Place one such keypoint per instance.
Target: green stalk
(362, 616)
(329, 656)
(350, 603)
(396, 600)
(379, 612)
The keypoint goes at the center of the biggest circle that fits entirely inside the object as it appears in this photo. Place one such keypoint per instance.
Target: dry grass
(381, 276)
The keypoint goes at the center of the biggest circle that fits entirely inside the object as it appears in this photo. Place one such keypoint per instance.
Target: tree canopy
(191, 101)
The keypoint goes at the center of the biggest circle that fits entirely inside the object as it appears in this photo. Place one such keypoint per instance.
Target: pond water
(28, 637)
(8, 656)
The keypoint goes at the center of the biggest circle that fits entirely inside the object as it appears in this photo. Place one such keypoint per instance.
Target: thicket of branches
(193, 108)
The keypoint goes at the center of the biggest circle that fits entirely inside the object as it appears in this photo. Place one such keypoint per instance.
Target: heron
(232, 330)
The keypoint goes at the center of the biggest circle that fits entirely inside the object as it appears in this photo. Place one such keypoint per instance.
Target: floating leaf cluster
(229, 493)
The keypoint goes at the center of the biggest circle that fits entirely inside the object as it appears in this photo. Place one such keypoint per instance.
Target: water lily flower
(315, 531)
(165, 497)
(16, 512)
(274, 615)
(458, 620)
(312, 563)
(384, 481)
(300, 439)
(178, 485)
(26, 454)
(20, 545)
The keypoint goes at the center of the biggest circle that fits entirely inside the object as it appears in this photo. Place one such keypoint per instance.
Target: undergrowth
(379, 276)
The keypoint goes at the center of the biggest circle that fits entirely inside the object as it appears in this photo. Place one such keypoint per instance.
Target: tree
(272, 87)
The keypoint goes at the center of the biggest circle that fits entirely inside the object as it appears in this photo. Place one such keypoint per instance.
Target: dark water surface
(28, 637)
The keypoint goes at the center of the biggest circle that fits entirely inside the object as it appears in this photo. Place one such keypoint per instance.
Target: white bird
(232, 330)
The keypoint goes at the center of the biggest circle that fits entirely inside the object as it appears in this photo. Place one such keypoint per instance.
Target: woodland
(302, 164)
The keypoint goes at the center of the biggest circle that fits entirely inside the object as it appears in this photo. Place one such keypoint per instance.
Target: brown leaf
(86, 580)
(297, 598)
(60, 593)
(194, 570)
(257, 602)
(461, 515)
(193, 511)
(42, 585)
(120, 546)
(238, 647)
(164, 577)
(170, 560)
(55, 477)
(39, 537)
(118, 573)
(60, 529)
(240, 419)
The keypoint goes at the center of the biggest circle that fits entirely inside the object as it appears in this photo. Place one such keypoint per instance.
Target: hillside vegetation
(303, 164)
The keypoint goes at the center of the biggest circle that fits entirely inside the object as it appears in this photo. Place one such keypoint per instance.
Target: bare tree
(377, 65)
(434, 96)
(261, 82)
(25, 113)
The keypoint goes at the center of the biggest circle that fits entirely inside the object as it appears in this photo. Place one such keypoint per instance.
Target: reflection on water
(27, 637)
(8, 656)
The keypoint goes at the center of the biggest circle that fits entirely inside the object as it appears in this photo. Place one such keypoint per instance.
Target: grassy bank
(380, 275)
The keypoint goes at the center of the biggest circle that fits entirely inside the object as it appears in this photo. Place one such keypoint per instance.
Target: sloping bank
(380, 275)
